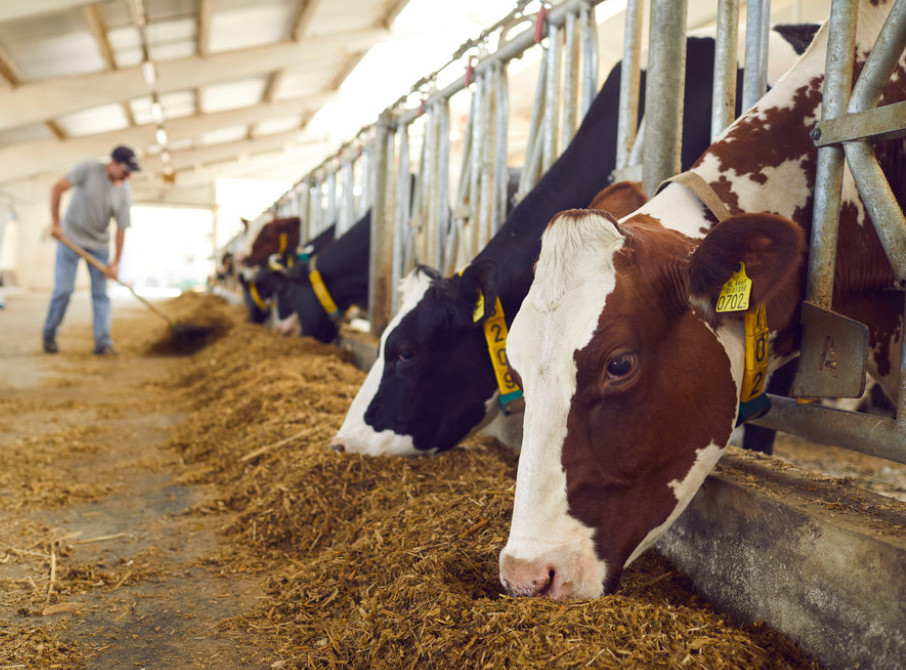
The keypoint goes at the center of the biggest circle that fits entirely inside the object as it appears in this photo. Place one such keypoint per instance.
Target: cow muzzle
(552, 576)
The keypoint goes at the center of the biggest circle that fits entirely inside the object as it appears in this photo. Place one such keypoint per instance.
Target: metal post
(629, 82)
(589, 58)
(402, 222)
(570, 82)
(532, 164)
(380, 287)
(442, 205)
(758, 26)
(664, 92)
(501, 176)
(723, 100)
(551, 98)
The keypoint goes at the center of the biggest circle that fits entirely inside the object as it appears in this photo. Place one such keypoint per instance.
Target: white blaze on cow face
(355, 435)
(550, 552)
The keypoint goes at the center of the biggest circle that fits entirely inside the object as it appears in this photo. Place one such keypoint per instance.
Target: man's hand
(113, 270)
(56, 231)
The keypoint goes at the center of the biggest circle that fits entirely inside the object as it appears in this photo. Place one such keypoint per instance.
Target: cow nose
(532, 578)
(338, 446)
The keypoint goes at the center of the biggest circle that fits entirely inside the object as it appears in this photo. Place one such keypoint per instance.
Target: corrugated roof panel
(95, 120)
(168, 40)
(55, 45)
(239, 93)
(242, 27)
(126, 43)
(280, 125)
(222, 135)
(174, 105)
(29, 133)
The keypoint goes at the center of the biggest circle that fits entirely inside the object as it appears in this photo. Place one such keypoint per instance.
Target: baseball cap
(126, 156)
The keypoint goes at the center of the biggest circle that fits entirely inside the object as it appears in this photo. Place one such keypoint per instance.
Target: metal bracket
(834, 354)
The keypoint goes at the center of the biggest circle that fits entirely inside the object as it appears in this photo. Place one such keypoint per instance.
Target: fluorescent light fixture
(157, 112)
(149, 73)
(165, 156)
(161, 136)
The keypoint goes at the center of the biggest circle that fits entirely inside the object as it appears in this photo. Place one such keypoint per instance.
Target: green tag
(734, 295)
(479, 308)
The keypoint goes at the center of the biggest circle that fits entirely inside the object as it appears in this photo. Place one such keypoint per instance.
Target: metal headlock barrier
(851, 120)
(413, 220)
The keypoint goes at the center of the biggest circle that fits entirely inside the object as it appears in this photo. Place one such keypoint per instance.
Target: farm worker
(100, 191)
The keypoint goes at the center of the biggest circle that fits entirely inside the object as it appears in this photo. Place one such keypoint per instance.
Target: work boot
(50, 345)
(104, 350)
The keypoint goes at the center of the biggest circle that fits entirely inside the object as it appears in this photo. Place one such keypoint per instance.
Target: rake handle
(103, 268)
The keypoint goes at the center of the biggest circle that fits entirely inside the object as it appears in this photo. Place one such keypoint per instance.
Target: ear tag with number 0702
(734, 294)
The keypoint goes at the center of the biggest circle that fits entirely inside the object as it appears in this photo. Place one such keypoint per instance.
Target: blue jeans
(64, 275)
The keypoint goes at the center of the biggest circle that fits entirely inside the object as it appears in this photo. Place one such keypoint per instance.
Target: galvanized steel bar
(332, 201)
(664, 92)
(589, 58)
(474, 174)
(347, 211)
(402, 224)
(532, 163)
(430, 188)
(872, 435)
(629, 82)
(570, 80)
(381, 282)
(829, 175)
(442, 204)
(881, 62)
(885, 212)
(723, 100)
(485, 144)
(549, 152)
(758, 25)
(501, 176)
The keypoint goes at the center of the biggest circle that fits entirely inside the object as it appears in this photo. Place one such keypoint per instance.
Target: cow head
(631, 382)
(432, 383)
(275, 237)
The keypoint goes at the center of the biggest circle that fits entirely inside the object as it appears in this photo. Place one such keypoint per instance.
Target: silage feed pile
(392, 563)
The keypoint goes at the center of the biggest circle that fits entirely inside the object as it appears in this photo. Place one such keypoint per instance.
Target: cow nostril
(338, 447)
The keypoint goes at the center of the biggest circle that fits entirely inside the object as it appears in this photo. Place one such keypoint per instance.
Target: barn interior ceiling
(202, 88)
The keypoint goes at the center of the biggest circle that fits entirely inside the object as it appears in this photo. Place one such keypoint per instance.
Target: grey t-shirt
(94, 201)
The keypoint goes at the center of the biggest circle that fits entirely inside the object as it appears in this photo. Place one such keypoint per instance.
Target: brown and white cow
(631, 378)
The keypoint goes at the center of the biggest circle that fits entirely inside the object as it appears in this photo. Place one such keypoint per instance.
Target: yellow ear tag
(479, 308)
(734, 295)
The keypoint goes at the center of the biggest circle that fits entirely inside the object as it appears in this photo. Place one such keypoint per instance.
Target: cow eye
(620, 366)
(405, 355)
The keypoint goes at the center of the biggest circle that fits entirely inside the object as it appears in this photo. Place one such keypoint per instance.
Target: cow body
(433, 382)
(342, 264)
(277, 237)
(632, 379)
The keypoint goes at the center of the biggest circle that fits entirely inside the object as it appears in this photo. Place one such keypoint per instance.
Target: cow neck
(321, 292)
(343, 263)
(262, 304)
(495, 334)
(735, 294)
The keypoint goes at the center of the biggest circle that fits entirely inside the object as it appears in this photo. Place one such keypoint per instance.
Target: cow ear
(620, 199)
(479, 288)
(771, 247)
(245, 224)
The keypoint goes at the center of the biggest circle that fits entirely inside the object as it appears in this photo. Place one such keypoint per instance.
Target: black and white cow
(433, 382)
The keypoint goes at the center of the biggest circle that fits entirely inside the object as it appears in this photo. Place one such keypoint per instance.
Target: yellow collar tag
(323, 295)
(262, 304)
(283, 243)
(495, 333)
(734, 294)
(756, 354)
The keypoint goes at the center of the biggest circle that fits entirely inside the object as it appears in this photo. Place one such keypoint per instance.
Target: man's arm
(113, 269)
(56, 193)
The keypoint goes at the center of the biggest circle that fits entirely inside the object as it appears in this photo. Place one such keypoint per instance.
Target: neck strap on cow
(495, 334)
(262, 304)
(323, 295)
(734, 297)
